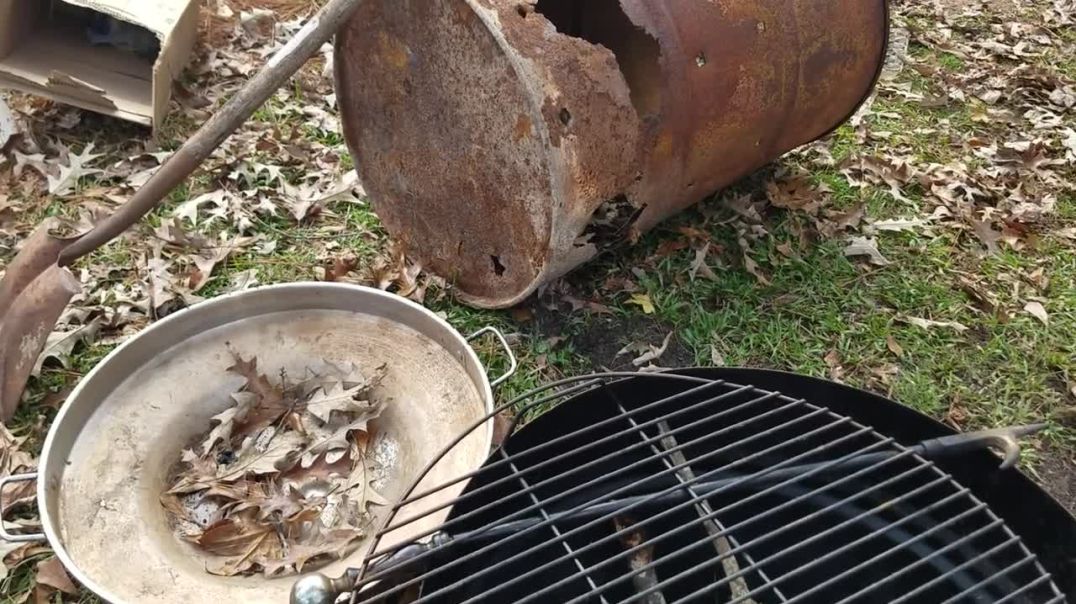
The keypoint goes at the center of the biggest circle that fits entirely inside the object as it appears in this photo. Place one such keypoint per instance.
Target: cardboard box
(117, 57)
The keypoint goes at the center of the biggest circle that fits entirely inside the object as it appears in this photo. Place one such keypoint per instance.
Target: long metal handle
(1005, 440)
(513, 364)
(11, 537)
(284, 64)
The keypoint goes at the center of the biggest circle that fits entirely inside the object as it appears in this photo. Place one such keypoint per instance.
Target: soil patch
(603, 337)
(1058, 473)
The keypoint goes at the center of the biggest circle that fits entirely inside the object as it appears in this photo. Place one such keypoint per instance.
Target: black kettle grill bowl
(937, 538)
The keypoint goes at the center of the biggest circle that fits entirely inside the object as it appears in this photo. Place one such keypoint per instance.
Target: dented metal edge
(561, 255)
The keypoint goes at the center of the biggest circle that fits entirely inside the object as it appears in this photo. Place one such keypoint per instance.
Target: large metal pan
(107, 456)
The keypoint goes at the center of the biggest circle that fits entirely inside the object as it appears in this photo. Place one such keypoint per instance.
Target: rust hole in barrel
(604, 23)
(611, 223)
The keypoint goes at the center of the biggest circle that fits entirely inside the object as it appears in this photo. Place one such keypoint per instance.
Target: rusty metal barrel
(506, 142)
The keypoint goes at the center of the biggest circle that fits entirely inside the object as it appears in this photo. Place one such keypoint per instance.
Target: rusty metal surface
(33, 294)
(506, 142)
(25, 329)
(40, 251)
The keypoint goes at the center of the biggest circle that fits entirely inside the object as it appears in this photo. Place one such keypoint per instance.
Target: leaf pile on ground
(951, 192)
(283, 478)
(992, 169)
(968, 140)
(286, 172)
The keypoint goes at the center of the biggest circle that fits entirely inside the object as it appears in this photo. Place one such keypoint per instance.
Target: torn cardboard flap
(158, 16)
(51, 48)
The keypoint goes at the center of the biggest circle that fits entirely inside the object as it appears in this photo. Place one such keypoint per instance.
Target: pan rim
(45, 489)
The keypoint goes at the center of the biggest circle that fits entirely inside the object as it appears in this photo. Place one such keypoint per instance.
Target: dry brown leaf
(14, 460)
(1067, 415)
(331, 545)
(699, 265)
(669, 247)
(653, 353)
(1039, 279)
(325, 374)
(785, 249)
(503, 423)
(893, 346)
(74, 169)
(833, 361)
(60, 344)
(752, 267)
(521, 314)
(329, 437)
(10, 556)
(986, 233)
(227, 419)
(984, 299)
(850, 219)
(340, 268)
(230, 490)
(52, 573)
(208, 259)
(199, 474)
(269, 404)
(930, 324)
(883, 376)
(270, 452)
(587, 305)
(360, 487)
(957, 415)
(248, 490)
(899, 224)
(717, 359)
(14, 554)
(795, 193)
(866, 246)
(172, 504)
(693, 234)
(336, 398)
(274, 498)
(262, 545)
(320, 469)
(1037, 310)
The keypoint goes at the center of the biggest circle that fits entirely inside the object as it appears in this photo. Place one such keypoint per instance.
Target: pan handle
(10, 537)
(512, 363)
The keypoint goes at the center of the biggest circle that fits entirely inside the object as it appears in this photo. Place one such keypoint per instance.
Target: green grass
(1000, 371)
(1006, 368)
(950, 62)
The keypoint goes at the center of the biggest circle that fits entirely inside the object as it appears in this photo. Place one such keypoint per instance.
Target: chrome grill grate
(663, 488)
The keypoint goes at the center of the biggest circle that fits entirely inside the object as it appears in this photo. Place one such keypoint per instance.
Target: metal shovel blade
(32, 296)
(27, 324)
(41, 250)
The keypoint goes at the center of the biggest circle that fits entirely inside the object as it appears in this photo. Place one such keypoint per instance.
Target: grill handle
(513, 364)
(16, 537)
(1005, 440)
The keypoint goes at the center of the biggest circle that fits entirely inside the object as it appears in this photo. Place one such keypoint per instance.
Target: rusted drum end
(505, 142)
(461, 138)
